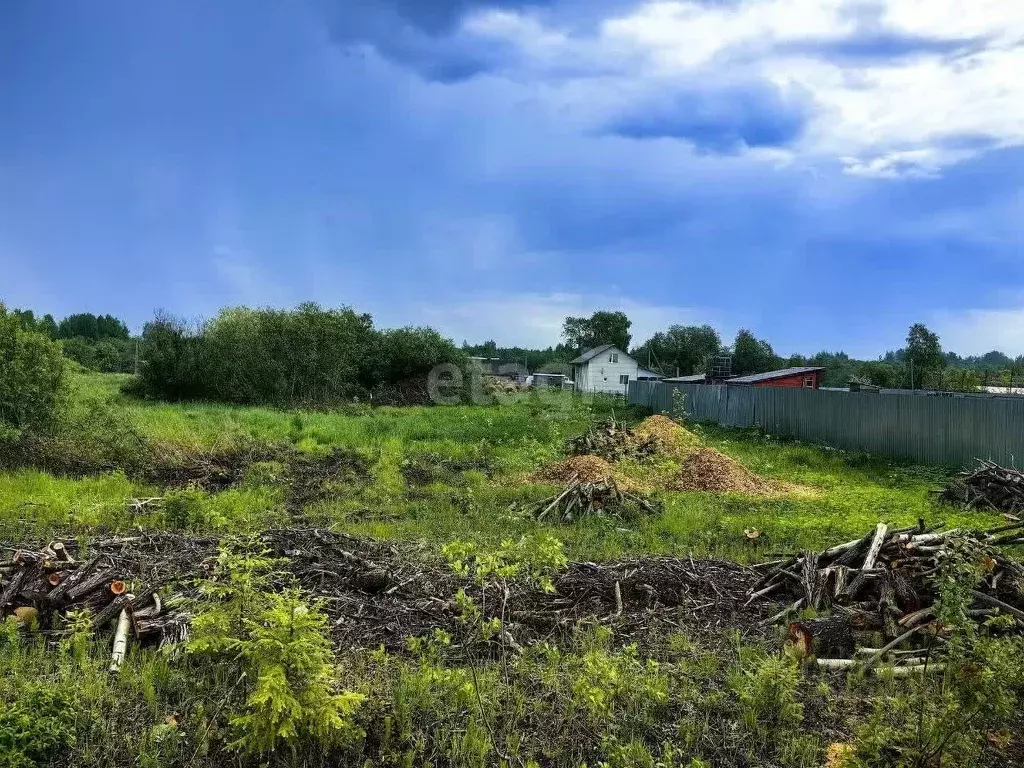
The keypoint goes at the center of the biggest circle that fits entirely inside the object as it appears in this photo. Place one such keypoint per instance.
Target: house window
(613, 357)
(809, 382)
(624, 378)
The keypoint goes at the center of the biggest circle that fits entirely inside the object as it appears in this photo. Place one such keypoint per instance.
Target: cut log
(61, 552)
(876, 546)
(56, 594)
(908, 671)
(981, 597)
(107, 614)
(120, 640)
(12, 588)
(84, 587)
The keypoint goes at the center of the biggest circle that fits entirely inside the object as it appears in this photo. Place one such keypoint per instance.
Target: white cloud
(952, 92)
(535, 320)
(977, 331)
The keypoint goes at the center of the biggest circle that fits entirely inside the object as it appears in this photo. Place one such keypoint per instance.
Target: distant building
(697, 378)
(806, 377)
(548, 381)
(493, 366)
(607, 369)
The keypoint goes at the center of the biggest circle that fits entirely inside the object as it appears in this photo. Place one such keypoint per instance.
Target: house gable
(604, 369)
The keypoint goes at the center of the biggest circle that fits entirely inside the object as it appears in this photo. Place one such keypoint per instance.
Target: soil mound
(710, 470)
(669, 435)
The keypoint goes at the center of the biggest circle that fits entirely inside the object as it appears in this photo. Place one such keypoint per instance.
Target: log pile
(987, 486)
(583, 499)
(886, 584)
(612, 443)
(42, 587)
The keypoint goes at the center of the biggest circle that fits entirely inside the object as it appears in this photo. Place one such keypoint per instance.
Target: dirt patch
(310, 479)
(710, 470)
(212, 471)
(431, 468)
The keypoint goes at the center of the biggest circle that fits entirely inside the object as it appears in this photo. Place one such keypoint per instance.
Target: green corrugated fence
(932, 429)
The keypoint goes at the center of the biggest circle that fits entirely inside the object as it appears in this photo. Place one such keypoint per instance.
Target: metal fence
(933, 430)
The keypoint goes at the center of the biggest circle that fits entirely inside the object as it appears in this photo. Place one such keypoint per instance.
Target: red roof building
(806, 377)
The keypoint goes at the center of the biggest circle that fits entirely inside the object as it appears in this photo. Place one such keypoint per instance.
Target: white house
(607, 369)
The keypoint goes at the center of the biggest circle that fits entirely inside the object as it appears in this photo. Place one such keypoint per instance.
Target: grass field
(854, 490)
(674, 700)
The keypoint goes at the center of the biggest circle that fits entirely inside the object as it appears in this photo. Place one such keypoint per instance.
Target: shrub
(35, 728)
(32, 377)
(308, 355)
(174, 360)
(284, 651)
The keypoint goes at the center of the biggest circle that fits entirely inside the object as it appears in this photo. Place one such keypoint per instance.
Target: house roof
(645, 374)
(685, 379)
(772, 375)
(590, 354)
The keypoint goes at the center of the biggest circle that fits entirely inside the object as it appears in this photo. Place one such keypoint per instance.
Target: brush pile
(612, 443)
(584, 498)
(42, 588)
(375, 593)
(989, 485)
(887, 583)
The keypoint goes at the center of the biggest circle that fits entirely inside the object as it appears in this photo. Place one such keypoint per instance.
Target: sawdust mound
(672, 437)
(586, 469)
(710, 470)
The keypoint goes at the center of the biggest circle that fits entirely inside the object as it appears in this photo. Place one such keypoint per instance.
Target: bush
(282, 645)
(35, 728)
(308, 356)
(32, 376)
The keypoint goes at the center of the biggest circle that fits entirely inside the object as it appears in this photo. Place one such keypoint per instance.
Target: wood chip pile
(711, 470)
(886, 583)
(989, 486)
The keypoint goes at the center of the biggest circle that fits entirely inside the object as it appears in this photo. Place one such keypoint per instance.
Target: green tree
(92, 327)
(602, 327)
(882, 374)
(282, 646)
(48, 326)
(32, 382)
(682, 348)
(924, 352)
(27, 318)
(752, 355)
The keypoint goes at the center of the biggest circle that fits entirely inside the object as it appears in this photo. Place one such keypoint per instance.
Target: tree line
(920, 363)
(309, 355)
(321, 356)
(100, 343)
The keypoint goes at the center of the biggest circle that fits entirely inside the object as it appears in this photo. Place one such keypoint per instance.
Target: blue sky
(825, 172)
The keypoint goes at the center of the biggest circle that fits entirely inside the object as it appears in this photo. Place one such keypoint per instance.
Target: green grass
(854, 491)
(670, 701)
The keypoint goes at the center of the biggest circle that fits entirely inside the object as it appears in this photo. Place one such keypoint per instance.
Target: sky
(823, 172)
